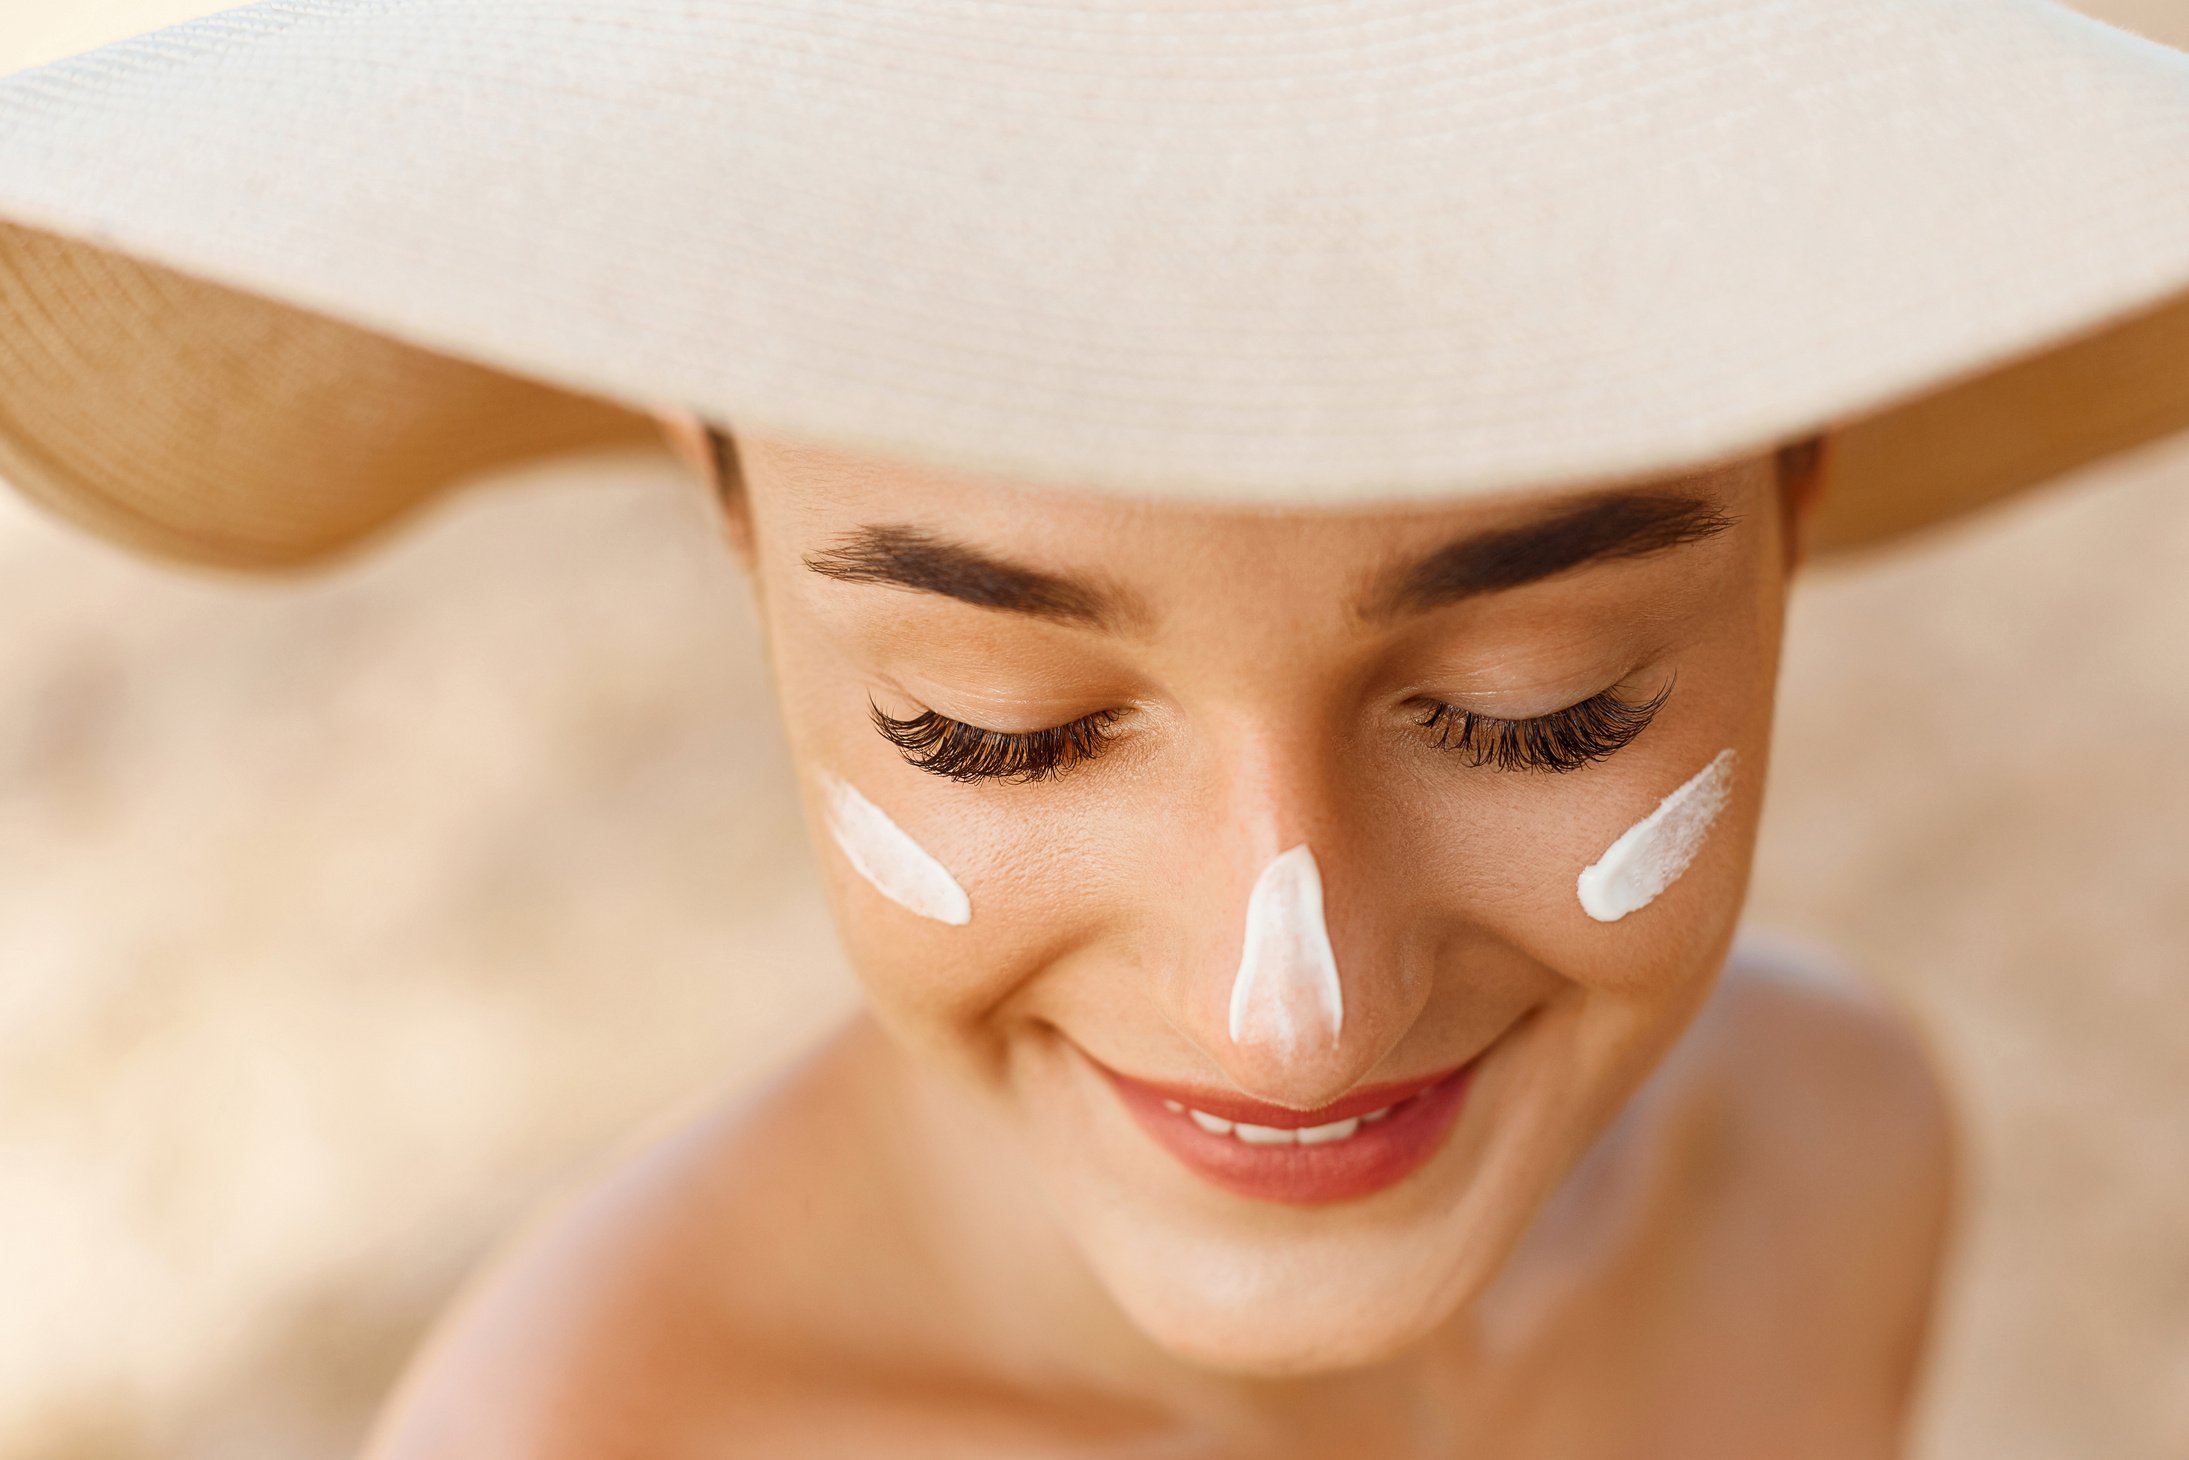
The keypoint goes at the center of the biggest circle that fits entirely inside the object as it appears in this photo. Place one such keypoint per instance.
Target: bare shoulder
(1836, 1152)
(622, 1321)
(1809, 1050)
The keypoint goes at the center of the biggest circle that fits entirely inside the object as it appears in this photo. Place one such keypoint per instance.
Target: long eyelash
(946, 747)
(1564, 740)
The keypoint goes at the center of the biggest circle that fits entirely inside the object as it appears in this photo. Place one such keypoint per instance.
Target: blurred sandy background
(340, 921)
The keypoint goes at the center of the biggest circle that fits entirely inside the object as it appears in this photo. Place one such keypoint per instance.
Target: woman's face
(1453, 709)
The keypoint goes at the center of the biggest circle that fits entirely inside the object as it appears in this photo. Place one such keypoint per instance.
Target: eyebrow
(907, 557)
(1595, 530)
(1598, 529)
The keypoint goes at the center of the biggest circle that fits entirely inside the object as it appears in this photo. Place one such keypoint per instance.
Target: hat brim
(202, 424)
(254, 435)
(233, 331)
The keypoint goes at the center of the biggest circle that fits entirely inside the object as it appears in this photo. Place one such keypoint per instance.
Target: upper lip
(1242, 1109)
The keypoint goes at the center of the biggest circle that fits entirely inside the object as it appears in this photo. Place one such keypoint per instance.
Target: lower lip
(1368, 1161)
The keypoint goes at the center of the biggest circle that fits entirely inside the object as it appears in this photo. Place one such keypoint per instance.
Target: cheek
(1030, 882)
(1667, 825)
(948, 898)
(1664, 844)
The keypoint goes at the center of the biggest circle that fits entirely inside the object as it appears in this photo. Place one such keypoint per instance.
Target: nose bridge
(1292, 985)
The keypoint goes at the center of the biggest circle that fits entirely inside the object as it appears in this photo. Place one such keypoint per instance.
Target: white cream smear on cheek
(1654, 851)
(1286, 992)
(899, 868)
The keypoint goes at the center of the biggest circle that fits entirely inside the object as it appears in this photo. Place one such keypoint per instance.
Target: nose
(1296, 983)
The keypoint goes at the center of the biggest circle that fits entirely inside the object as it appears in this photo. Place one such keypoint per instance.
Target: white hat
(270, 279)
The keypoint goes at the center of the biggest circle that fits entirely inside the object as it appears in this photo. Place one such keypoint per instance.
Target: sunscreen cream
(899, 867)
(1653, 852)
(1286, 994)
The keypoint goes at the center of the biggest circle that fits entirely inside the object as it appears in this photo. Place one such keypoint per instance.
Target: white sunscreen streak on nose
(1655, 850)
(1286, 990)
(899, 867)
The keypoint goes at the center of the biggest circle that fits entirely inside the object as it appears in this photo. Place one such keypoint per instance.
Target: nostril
(1286, 995)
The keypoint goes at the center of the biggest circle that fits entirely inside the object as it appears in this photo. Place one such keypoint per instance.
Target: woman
(1053, 1198)
(1278, 656)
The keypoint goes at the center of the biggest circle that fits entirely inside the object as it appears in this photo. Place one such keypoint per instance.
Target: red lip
(1375, 1156)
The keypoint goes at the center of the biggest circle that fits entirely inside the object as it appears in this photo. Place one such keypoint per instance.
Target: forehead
(806, 492)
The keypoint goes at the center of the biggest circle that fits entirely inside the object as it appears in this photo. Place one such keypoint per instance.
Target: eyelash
(945, 747)
(1564, 740)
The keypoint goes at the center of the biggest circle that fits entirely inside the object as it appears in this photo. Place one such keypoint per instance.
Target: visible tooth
(1264, 1135)
(1215, 1125)
(1375, 1115)
(1337, 1130)
(1174, 1107)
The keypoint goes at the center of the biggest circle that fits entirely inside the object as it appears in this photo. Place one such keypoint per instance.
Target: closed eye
(1563, 740)
(942, 746)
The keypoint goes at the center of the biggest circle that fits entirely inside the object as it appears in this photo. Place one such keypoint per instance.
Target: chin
(1257, 1309)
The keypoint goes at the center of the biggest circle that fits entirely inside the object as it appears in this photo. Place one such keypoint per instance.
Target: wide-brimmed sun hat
(270, 280)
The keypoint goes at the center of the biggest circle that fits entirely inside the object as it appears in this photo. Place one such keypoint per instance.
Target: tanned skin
(1695, 1204)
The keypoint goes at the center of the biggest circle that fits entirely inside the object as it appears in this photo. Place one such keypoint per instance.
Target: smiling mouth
(1372, 1139)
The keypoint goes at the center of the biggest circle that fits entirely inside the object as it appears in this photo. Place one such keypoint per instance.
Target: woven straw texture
(1311, 253)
